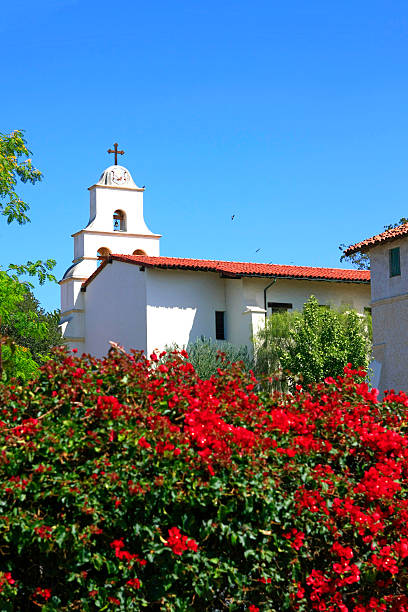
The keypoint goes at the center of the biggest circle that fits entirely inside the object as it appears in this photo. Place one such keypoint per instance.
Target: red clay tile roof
(236, 268)
(387, 236)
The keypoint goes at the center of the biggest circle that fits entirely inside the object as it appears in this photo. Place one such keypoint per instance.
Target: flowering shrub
(131, 484)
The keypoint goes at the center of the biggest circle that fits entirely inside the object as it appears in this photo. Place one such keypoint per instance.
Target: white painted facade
(389, 303)
(147, 307)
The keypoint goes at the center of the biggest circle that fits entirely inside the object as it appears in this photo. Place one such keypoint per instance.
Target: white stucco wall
(390, 342)
(389, 303)
(239, 328)
(382, 285)
(181, 306)
(104, 200)
(72, 321)
(115, 309)
(71, 296)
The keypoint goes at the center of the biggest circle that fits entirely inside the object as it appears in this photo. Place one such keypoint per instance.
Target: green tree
(16, 359)
(13, 147)
(27, 324)
(315, 344)
(361, 261)
(270, 343)
(41, 343)
(13, 167)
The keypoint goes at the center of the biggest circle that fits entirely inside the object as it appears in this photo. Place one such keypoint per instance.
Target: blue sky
(292, 115)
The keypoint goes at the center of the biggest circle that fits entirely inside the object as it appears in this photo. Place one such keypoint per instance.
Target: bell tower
(116, 225)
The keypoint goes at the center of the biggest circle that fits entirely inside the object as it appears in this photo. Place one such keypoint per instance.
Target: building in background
(120, 289)
(388, 254)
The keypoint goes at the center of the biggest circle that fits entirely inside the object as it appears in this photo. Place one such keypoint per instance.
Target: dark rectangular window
(220, 325)
(279, 306)
(395, 265)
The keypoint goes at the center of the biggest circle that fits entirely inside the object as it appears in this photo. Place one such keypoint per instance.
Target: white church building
(120, 289)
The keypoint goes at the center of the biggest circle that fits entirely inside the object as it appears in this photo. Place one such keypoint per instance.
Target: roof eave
(379, 240)
(368, 247)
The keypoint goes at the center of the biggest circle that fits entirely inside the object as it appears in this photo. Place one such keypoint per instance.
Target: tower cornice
(116, 234)
(119, 187)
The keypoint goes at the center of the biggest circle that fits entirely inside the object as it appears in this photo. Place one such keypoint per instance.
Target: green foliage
(316, 343)
(208, 355)
(40, 269)
(18, 362)
(402, 221)
(324, 341)
(39, 344)
(361, 261)
(22, 326)
(13, 147)
(271, 343)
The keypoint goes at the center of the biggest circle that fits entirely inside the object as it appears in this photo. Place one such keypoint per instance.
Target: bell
(116, 224)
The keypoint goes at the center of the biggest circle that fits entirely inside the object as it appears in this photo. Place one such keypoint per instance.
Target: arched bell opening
(119, 221)
(102, 254)
(139, 252)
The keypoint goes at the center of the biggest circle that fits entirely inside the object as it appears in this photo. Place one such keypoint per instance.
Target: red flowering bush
(131, 484)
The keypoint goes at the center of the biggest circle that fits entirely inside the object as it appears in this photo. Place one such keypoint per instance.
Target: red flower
(144, 443)
(192, 545)
(7, 576)
(297, 538)
(44, 531)
(44, 593)
(180, 543)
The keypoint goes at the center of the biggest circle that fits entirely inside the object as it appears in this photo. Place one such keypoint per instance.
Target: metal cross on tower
(115, 151)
